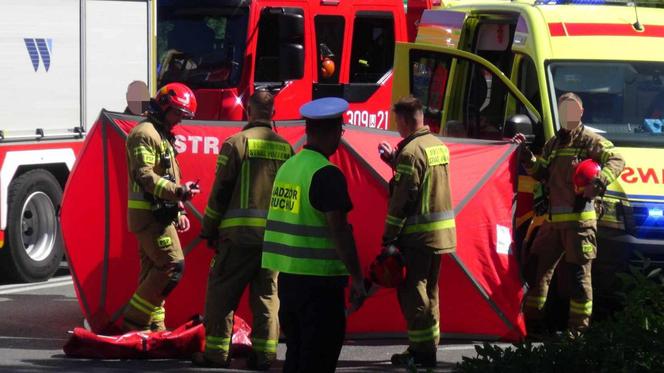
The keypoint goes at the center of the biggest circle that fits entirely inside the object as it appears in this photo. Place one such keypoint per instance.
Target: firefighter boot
(536, 329)
(259, 362)
(410, 358)
(209, 361)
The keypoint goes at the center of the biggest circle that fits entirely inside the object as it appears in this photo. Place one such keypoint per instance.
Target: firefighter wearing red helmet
(570, 222)
(420, 222)
(155, 207)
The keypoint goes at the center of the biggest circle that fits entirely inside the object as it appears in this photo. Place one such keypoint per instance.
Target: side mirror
(291, 61)
(291, 27)
(519, 123)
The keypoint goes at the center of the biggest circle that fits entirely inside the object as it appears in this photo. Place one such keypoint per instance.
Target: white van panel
(116, 49)
(39, 66)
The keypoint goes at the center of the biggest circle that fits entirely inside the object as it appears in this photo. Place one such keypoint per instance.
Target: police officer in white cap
(309, 241)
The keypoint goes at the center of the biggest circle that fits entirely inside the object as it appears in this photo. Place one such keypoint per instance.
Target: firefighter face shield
(388, 269)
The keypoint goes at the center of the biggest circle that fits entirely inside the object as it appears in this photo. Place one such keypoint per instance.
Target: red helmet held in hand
(177, 96)
(584, 173)
(388, 269)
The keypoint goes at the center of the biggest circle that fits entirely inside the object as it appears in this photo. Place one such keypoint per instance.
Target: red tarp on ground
(480, 285)
(181, 342)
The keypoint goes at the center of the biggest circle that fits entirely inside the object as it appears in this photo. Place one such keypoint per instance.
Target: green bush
(632, 340)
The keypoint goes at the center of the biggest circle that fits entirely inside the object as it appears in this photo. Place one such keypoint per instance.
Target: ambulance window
(484, 103)
(477, 103)
(329, 41)
(528, 84)
(428, 78)
(373, 46)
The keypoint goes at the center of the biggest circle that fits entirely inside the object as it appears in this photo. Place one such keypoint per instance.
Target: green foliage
(632, 340)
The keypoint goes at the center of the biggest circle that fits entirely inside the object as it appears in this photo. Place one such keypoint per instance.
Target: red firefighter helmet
(327, 67)
(388, 269)
(584, 173)
(177, 96)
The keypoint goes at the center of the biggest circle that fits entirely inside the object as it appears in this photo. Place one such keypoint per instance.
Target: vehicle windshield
(623, 101)
(199, 44)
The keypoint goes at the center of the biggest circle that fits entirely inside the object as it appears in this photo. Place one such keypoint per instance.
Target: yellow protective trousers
(578, 246)
(231, 271)
(418, 298)
(162, 265)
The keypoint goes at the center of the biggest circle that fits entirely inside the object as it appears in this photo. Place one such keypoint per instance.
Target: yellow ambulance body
(485, 69)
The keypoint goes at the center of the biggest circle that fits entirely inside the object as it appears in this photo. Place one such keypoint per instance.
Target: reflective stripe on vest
(267, 149)
(243, 218)
(150, 156)
(137, 199)
(296, 234)
(430, 222)
(427, 221)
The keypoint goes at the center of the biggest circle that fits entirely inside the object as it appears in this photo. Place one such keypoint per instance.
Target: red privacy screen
(480, 285)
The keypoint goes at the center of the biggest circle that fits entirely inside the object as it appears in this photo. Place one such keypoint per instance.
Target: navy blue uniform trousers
(313, 320)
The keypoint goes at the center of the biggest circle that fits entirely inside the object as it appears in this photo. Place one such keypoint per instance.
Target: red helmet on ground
(584, 173)
(388, 269)
(177, 96)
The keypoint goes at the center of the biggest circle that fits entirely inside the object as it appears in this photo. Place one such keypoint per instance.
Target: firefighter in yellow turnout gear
(234, 223)
(570, 223)
(420, 222)
(155, 210)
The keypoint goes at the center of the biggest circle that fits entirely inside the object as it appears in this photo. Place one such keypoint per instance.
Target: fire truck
(62, 62)
(75, 57)
(225, 49)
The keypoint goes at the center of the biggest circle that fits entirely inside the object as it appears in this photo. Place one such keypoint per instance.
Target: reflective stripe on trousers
(217, 343)
(424, 335)
(264, 345)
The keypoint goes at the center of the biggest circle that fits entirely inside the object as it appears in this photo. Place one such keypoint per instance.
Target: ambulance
(487, 69)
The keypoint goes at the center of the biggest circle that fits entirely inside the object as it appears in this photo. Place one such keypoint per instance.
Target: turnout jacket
(420, 212)
(555, 169)
(246, 166)
(153, 172)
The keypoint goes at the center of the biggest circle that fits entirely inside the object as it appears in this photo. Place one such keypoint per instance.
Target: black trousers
(312, 318)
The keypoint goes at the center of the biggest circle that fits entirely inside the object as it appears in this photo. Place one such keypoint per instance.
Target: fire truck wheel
(33, 246)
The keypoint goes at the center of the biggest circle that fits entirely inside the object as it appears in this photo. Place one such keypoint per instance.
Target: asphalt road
(35, 320)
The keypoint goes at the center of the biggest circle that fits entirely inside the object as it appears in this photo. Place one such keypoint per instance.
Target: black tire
(33, 242)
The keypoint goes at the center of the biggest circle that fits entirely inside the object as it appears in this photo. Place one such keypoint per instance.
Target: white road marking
(470, 346)
(23, 288)
(54, 279)
(33, 338)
